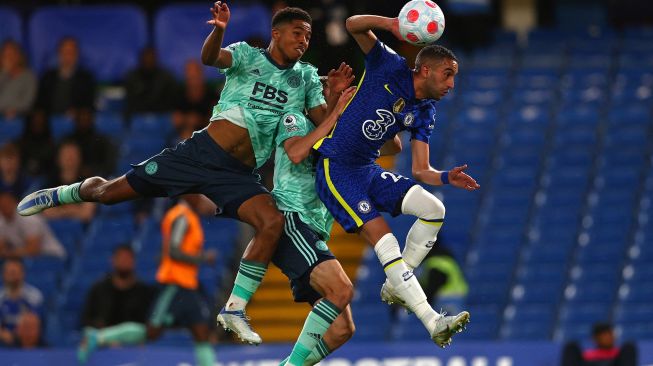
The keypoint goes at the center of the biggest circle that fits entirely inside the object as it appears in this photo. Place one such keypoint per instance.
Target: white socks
(404, 283)
(422, 235)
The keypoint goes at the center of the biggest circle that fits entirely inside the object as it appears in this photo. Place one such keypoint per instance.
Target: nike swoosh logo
(388, 89)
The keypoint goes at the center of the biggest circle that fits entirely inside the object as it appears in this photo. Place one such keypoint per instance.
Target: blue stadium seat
(534, 274)
(638, 292)
(110, 124)
(10, 25)
(585, 314)
(180, 30)
(484, 325)
(69, 232)
(151, 124)
(174, 338)
(590, 293)
(373, 322)
(53, 266)
(628, 314)
(61, 125)
(488, 293)
(10, 129)
(109, 50)
(536, 293)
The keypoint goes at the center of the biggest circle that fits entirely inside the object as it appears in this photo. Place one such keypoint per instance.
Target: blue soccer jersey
(383, 105)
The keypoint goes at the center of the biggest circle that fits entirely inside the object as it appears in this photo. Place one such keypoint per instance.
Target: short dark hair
(435, 53)
(288, 14)
(18, 260)
(125, 247)
(599, 328)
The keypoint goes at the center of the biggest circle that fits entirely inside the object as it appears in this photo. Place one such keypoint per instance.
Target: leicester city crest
(151, 167)
(321, 245)
(294, 81)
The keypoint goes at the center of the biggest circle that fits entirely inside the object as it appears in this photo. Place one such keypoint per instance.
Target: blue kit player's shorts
(356, 194)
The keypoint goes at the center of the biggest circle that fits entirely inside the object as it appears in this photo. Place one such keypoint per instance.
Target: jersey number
(395, 177)
(374, 130)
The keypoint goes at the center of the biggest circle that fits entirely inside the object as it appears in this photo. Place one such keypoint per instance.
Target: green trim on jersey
(266, 92)
(294, 184)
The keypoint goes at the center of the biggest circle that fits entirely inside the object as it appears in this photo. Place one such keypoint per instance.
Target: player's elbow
(418, 174)
(350, 24)
(296, 156)
(206, 59)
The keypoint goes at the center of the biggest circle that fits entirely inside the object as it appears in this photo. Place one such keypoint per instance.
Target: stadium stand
(558, 133)
(110, 37)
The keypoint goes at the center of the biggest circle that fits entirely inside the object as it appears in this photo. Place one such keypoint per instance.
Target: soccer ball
(421, 22)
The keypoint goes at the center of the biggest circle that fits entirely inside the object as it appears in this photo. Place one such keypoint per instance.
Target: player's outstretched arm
(424, 172)
(212, 52)
(360, 27)
(298, 147)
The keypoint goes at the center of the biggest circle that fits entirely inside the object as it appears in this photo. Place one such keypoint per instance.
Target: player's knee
(273, 224)
(423, 204)
(343, 331)
(437, 209)
(97, 189)
(341, 295)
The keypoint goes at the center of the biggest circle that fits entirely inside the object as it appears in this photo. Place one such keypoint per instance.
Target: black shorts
(179, 307)
(197, 165)
(300, 250)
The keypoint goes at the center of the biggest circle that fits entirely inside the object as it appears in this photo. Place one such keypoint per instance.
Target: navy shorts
(179, 307)
(197, 165)
(300, 249)
(356, 194)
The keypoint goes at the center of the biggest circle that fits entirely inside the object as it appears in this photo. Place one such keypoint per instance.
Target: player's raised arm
(299, 147)
(212, 52)
(360, 27)
(337, 81)
(423, 172)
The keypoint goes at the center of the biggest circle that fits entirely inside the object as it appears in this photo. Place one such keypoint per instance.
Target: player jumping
(390, 98)
(219, 160)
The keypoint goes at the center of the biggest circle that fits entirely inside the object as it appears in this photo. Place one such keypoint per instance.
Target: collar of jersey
(267, 55)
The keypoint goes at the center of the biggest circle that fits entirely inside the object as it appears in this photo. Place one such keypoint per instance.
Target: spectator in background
(150, 88)
(25, 236)
(11, 177)
(97, 149)
(28, 331)
(179, 302)
(604, 353)
(17, 83)
(36, 145)
(69, 86)
(69, 169)
(16, 298)
(120, 296)
(443, 280)
(195, 103)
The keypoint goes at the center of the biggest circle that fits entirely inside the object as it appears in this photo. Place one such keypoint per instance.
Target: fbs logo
(407, 275)
(430, 243)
